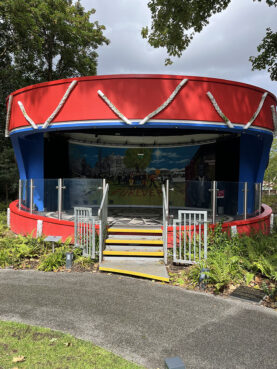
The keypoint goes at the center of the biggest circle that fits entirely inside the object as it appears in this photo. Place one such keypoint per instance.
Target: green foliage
(53, 261)
(50, 39)
(270, 176)
(138, 159)
(238, 258)
(267, 59)
(175, 23)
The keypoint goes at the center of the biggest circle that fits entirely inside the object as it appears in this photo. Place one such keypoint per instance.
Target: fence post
(9, 218)
(31, 196)
(214, 192)
(245, 190)
(19, 194)
(60, 188)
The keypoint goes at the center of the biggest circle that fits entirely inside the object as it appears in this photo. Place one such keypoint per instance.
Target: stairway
(135, 251)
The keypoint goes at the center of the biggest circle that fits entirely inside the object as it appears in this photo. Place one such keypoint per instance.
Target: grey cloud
(222, 49)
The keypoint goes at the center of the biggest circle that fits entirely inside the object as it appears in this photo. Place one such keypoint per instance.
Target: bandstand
(135, 150)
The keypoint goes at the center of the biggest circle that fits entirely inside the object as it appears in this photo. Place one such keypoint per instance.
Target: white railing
(190, 237)
(165, 221)
(84, 231)
(103, 220)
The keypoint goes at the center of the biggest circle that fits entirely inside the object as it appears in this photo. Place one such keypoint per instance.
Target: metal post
(60, 188)
(104, 185)
(245, 189)
(260, 197)
(19, 194)
(214, 192)
(167, 193)
(31, 196)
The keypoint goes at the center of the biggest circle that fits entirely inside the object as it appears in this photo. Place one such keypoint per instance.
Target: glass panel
(25, 195)
(82, 192)
(227, 201)
(50, 197)
(257, 196)
(194, 195)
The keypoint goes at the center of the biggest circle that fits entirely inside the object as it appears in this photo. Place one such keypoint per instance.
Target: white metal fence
(84, 231)
(190, 237)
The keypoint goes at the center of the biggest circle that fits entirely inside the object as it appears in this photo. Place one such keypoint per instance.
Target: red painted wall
(25, 223)
(138, 95)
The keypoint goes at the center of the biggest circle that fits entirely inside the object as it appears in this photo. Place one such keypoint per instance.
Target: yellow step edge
(137, 274)
(141, 242)
(134, 230)
(134, 253)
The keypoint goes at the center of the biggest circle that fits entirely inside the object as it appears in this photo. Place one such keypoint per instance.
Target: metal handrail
(105, 192)
(165, 222)
(102, 219)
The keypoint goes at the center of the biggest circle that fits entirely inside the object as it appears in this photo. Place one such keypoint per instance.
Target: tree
(175, 23)
(138, 159)
(270, 177)
(268, 55)
(50, 39)
(41, 40)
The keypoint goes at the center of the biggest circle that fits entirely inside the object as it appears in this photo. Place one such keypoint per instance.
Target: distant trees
(42, 40)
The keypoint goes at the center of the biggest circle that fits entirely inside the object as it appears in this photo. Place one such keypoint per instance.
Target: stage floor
(151, 217)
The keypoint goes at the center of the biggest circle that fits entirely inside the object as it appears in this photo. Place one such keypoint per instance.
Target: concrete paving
(144, 321)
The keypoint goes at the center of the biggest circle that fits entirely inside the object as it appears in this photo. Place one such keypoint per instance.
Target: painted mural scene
(133, 166)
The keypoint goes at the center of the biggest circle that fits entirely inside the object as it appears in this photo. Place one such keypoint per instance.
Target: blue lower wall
(29, 151)
(254, 156)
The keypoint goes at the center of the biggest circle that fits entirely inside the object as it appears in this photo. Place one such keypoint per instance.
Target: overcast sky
(221, 50)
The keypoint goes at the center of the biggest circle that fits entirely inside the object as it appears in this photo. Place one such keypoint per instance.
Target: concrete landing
(150, 269)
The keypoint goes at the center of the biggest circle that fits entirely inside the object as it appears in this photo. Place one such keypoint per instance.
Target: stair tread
(132, 253)
(133, 241)
(151, 269)
(133, 237)
(134, 230)
(133, 248)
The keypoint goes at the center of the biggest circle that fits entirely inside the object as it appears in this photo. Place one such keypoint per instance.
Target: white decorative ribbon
(8, 116)
(26, 116)
(55, 112)
(58, 108)
(149, 116)
(113, 108)
(219, 111)
(167, 102)
(274, 117)
(257, 111)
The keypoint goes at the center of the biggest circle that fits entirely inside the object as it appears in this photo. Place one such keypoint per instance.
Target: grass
(39, 348)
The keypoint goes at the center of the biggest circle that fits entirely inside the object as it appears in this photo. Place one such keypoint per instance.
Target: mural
(135, 175)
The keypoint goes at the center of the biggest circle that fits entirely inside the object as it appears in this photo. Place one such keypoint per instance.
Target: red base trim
(25, 223)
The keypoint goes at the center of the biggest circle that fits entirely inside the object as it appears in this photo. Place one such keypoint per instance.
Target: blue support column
(254, 154)
(29, 152)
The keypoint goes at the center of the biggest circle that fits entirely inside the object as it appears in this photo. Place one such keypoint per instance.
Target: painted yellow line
(137, 274)
(142, 242)
(134, 230)
(134, 253)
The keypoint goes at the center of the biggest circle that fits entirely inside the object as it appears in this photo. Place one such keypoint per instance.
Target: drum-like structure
(137, 131)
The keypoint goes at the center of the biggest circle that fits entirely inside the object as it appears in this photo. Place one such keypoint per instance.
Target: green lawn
(24, 346)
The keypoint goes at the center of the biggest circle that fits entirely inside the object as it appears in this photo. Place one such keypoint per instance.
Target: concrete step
(131, 241)
(151, 269)
(134, 237)
(135, 230)
(133, 253)
(144, 259)
(133, 248)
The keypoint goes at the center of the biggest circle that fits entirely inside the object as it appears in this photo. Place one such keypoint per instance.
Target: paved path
(144, 321)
